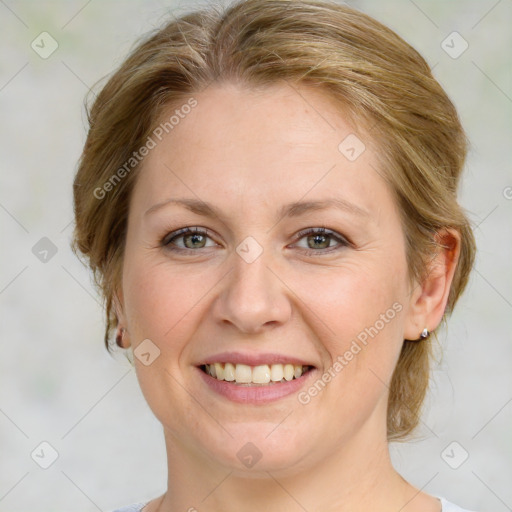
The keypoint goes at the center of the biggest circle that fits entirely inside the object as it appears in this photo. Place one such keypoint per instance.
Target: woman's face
(256, 287)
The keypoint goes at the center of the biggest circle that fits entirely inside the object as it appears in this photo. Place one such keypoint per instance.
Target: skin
(256, 151)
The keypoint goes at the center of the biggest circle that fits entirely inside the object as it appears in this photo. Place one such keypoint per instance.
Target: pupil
(318, 239)
(195, 238)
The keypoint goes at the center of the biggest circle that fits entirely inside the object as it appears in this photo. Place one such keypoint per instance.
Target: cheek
(162, 302)
(160, 298)
(356, 313)
(348, 299)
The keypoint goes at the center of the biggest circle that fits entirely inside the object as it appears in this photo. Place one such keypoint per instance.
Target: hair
(379, 80)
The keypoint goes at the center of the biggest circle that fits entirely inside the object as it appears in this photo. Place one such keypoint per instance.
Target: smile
(245, 375)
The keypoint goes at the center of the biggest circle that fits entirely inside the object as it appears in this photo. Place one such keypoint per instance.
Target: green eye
(319, 240)
(192, 239)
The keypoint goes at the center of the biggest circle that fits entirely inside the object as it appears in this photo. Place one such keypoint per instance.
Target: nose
(253, 297)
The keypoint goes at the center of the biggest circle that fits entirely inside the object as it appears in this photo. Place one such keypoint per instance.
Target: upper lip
(254, 359)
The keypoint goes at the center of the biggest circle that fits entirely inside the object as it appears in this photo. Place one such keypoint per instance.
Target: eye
(191, 239)
(319, 241)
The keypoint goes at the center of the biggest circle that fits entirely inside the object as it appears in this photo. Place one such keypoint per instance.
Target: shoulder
(137, 507)
(451, 507)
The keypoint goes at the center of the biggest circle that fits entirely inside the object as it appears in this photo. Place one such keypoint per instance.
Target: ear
(428, 299)
(118, 305)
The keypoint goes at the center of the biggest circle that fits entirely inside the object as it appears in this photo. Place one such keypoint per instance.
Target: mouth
(253, 376)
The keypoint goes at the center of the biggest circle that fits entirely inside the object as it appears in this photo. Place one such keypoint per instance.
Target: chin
(260, 447)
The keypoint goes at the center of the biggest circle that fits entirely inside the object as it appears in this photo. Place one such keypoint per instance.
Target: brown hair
(381, 81)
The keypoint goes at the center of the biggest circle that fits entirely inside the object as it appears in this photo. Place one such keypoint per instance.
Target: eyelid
(323, 231)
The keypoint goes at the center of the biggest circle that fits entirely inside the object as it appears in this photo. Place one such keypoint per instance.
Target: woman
(267, 198)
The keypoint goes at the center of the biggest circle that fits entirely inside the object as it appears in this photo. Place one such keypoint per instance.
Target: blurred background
(75, 431)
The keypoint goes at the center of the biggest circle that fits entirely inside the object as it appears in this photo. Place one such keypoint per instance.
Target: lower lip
(257, 394)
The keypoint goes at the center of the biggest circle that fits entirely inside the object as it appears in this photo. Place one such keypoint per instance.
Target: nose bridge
(253, 296)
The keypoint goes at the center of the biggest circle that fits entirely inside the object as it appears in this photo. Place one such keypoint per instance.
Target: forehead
(258, 147)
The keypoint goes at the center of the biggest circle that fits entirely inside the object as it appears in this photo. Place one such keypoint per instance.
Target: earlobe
(122, 338)
(429, 298)
(119, 337)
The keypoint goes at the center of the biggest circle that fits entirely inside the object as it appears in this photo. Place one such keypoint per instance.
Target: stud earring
(424, 334)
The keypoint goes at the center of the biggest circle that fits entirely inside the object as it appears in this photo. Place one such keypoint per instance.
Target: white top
(446, 506)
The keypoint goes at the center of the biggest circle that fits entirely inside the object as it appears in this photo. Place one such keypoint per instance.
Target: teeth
(229, 372)
(276, 372)
(243, 373)
(288, 371)
(219, 371)
(262, 374)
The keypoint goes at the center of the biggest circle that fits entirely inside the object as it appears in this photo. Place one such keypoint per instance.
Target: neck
(355, 478)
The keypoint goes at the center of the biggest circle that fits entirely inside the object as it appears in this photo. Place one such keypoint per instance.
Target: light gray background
(59, 385)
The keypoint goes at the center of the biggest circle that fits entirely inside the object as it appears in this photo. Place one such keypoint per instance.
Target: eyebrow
(294, 209)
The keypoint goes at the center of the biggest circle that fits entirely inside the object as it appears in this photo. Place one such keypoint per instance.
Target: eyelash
(343, 242)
